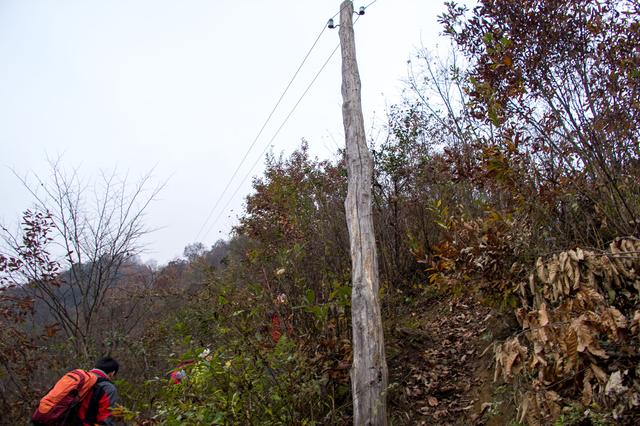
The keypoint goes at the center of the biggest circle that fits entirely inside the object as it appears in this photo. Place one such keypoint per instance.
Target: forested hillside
(507, 216)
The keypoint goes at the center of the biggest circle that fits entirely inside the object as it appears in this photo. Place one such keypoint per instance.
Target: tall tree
(92, 233)
(560, 81)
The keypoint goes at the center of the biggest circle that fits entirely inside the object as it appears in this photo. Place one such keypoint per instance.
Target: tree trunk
(369, 370)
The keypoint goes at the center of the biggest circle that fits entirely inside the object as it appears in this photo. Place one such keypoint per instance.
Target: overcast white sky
(185, 86)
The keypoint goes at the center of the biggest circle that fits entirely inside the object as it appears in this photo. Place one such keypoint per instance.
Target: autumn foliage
(509, 174)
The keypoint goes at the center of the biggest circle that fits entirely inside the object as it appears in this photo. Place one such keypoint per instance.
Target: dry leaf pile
(579, 344)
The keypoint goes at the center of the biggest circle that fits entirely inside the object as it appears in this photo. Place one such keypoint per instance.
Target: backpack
(58, 407)
(91, 415)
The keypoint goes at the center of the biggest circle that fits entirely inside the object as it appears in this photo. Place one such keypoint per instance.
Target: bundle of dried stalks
(580, 341)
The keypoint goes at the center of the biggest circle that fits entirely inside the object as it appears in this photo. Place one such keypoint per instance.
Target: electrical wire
(324, 27)
(367, 6)
(275, 134)
(259, 158)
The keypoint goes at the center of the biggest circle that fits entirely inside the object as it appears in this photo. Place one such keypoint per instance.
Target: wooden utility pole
(369, 371)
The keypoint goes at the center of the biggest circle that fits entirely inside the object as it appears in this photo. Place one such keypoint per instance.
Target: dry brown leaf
(619, 319)
(543, 316)
(573, 255)
(553, 270)
(576, 278)
(552, 399)
(506, 356)
(587, 389)
(522, 289)
(532, 284)
(514, 350)
(571, 342)
(613, 320)
(522, 409)
(542, 334)
(627, 245)
(635, 322)
(596, 350)
(595, 297)
(567, 282)
(538, 355)
(599, 373)
(563, 259)
(499, 363)
(541, 270)
(585, 335)
(614, 384)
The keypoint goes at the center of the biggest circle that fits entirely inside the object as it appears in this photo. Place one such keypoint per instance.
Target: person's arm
(107, 403)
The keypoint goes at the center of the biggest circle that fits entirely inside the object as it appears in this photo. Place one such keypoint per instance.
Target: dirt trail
(440, 365)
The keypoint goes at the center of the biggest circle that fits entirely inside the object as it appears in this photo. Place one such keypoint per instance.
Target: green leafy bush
(243, 387)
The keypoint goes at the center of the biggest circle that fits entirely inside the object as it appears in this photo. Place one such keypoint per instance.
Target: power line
(367, 6)
(260, 133)
(246, 176)
(275, 134)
